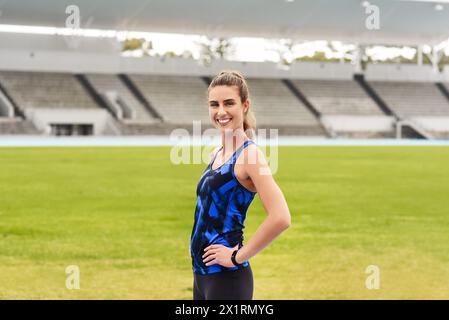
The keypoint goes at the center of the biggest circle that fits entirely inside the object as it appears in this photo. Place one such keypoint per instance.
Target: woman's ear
(246, 106)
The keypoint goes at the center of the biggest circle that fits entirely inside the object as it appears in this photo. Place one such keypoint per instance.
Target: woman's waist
(231, 237)
(217, 270)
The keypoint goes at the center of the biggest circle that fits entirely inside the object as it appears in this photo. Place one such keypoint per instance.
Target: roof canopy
(401, 22)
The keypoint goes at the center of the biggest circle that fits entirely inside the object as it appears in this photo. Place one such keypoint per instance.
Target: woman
(237, 172)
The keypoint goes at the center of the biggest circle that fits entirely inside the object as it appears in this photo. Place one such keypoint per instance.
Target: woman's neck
(230, 139)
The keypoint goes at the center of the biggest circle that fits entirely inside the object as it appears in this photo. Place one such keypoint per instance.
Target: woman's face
(226, 111)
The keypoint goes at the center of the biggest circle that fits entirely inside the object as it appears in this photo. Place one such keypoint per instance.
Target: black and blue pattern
(222, 203)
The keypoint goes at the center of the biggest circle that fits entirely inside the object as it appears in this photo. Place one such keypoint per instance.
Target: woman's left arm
(278, 215)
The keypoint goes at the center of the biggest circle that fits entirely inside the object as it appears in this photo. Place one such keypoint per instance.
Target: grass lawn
(124, 216)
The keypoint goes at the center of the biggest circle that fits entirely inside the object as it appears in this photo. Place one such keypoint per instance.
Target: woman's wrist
(233, 255)
(238, 257)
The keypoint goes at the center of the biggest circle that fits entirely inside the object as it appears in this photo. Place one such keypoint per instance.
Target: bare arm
(278, 215)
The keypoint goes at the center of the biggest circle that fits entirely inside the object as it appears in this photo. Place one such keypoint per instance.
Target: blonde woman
(238, 170)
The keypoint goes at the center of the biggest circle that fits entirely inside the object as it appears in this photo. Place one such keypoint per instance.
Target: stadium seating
(276, 107)
(410, 99)
(273, 103)
(17, 126)
(45, 90)
(178, 99)
(111, 83)
(346, 110)
(338, 97)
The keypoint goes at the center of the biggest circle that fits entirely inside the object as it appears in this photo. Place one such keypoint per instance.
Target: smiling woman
(232, 86)
(238, 170)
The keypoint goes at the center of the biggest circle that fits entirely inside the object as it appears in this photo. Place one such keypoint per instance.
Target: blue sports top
(222, 203)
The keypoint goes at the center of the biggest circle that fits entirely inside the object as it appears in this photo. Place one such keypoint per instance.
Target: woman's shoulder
(253, 154)
(255, 161)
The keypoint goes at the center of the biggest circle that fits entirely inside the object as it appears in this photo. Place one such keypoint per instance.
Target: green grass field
(124, 216)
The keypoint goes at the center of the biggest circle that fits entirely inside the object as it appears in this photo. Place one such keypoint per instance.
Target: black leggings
(225, 285)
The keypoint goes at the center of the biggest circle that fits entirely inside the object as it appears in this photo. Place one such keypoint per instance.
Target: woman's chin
(227, 129)
(222, 128)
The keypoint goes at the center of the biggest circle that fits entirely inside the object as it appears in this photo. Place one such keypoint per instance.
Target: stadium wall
(43, 118)
(404, 72)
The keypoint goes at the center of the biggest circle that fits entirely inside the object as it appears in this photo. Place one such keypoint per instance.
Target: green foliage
(213, 49)
(320, 56)
(132, 44)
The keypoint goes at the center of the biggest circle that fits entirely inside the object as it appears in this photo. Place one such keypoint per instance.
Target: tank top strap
(215, 156)
(235, 155)
(239, 150)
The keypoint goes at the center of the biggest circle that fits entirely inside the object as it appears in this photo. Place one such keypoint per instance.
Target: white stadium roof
(406, 22)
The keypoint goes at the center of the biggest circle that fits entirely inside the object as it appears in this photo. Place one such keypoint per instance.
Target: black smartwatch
(234, 253)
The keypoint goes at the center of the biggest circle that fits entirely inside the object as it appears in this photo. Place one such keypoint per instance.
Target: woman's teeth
(224, 121)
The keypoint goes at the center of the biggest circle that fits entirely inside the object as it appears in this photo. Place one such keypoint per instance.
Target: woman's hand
(219, 254)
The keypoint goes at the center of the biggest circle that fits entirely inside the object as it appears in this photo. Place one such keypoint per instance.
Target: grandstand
(411, 99)
(276, 106)
(338, 97)
(420, 103)
(60, 85)
(179, 99)
(156, 104)
(45, 90)
(111, 87)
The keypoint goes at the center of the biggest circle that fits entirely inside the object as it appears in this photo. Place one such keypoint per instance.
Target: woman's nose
(221, 110)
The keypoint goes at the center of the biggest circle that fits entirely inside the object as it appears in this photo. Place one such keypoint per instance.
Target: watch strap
(234, 253)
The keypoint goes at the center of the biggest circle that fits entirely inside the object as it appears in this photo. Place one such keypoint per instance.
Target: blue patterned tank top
(222, 203)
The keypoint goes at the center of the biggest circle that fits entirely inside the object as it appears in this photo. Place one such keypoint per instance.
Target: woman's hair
(235, 78)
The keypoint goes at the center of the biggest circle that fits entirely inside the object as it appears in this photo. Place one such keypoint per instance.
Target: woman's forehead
(223, 93)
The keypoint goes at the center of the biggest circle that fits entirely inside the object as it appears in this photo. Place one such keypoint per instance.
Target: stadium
(91, 93)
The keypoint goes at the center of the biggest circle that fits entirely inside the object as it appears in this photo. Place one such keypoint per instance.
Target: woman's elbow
(285, 222)
(288, 222)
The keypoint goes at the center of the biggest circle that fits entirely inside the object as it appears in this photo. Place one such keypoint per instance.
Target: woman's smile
(224, 121)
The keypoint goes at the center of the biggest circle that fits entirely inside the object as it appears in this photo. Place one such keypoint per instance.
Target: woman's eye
(226, 104)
